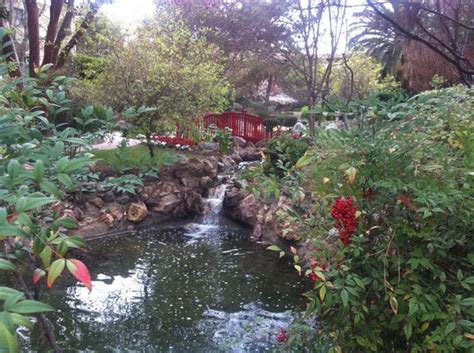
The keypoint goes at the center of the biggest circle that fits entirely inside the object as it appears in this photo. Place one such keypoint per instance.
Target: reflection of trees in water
(153, 289)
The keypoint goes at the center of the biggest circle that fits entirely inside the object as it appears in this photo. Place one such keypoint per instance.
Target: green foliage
(224, 139)
(166, 69)
(367, 77)
(125, 158)
(40, 163)
(88, 67)
(405, 281)
(123, 184)
(283, 153)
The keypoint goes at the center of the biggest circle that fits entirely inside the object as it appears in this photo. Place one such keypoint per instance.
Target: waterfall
(215, 200)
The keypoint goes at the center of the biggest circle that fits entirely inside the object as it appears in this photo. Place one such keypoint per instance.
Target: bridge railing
(249, 127)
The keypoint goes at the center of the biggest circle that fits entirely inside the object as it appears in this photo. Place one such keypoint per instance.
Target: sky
(132, 12)
(128, 13)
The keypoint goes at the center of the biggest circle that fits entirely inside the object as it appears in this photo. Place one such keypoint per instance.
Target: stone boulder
(190, 172)
(249, 154)
(208, 146)
(168, 204)
(137, 211)
(238, 141)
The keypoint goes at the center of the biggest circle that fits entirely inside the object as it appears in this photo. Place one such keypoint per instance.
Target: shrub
(283, 153)
(402, 280)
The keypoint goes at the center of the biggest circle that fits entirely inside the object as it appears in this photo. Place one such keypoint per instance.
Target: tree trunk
(54, 14)
(269, 90)
(64, 30)
(33, 35)
(76, 37)
(9, 50)
(150, 146)
(311, 119)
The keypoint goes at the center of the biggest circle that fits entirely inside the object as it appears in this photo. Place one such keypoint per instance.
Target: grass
(135, 157)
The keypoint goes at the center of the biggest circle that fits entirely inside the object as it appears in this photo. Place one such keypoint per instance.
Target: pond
(185, 288)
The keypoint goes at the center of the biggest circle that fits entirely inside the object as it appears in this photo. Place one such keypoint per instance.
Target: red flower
(282, 336)
(345, 214)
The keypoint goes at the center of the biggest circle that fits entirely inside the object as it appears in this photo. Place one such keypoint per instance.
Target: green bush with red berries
(393, 248)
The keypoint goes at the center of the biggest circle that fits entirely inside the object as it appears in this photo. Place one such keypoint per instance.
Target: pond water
(191, 288)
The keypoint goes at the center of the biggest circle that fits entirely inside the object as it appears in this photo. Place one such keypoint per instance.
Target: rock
(194, 168)
(116, 211)
(107, 219)
(102, 168)
(191, 182)
(228, 162)
(97, 202)
(249, 154)
(236, 157)
(249, 144)
(78, 214)
(205, 182)
(167, 204)
(238, 141)
(123, 199)
(208, 146)
(109, 196)
(137, 211)
(153, 193)
(195, 203)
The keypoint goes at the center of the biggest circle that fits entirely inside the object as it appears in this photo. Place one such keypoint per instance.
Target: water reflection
(189, 289)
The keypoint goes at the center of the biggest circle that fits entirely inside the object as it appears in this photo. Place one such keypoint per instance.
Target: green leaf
(345, 297)
(66, 180)
(6, 292)
(20, 320)
(8, 342)
(38, 171)
(28, 203)
(274, 248)
(50, 188)
(11, 230)
(55, 270)
(305, 160)
(408, 330)
(449, 328)
(46, 255)
(322, 292)
(467, 302)
(30, 307)
(6, 265)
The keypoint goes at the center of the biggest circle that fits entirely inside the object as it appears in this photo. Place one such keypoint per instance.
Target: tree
(167, 69)
(445, 27)
(358, 75)
(308, 21)
(247, 33)
(56, 49)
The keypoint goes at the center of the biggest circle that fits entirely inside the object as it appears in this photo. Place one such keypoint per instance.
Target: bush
(398, 277)
(283, 153)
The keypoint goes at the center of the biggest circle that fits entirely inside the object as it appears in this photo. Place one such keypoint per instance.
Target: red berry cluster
(282, 336)
(313, 263)
(345, 214)
(174, 140)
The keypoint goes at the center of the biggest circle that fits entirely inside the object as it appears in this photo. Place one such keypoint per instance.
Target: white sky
(129, 13)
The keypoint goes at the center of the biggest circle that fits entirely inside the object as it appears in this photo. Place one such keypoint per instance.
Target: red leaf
(38, 274)
(80, 271)
(12, 217)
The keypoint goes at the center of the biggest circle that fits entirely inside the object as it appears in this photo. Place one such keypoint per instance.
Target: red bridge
(249, 127)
